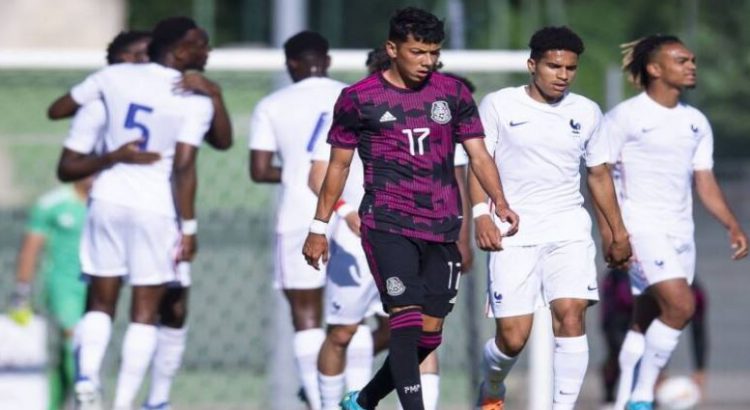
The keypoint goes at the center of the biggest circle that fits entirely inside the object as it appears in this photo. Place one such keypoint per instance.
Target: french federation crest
(440, 112)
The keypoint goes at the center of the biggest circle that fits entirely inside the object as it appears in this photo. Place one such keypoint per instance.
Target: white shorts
(122, 241)
(523, 279)
(350, 289)
(291, 270)
(659, 257)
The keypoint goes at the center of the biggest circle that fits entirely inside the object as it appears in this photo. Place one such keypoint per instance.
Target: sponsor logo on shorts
(659, 263)
(415, 388)
(453, 300)
(441, 112)
(567, 393)
(694, 128)
(592, 288)
(394, 286)
(336, 305)
(497, 296)
(516, 123)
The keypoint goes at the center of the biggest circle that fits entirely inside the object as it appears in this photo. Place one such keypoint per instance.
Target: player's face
(194, 49)
(136, 52)
(413, 59)
(675, 65)
(553, 73)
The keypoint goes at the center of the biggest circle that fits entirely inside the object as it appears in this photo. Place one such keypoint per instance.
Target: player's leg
(331, 364)
(382, 335)
(430, 377)
(66, 304)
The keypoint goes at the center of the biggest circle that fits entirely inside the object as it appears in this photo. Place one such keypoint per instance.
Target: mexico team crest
(440, 112)
(394, 286)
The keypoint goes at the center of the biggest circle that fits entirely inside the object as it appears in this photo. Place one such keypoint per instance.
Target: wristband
(189, 227)
(480, 209)
(318, 227)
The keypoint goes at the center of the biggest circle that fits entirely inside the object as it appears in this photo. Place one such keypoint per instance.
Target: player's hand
(487, 234)
(195, 81)
(738, 239)
(508, 216)
(353, 222)
(619, 253)
(20, 309)
(467, 255)
(315, 248)
(131, 153)
(188, 248)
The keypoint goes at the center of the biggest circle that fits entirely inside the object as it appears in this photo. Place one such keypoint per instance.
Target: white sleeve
(597, 148)
(615, 134)
(491, 123)
(703, 159)
(262, 137)
(87, 127)
(88, 90)
(197, 120)
(460, 158)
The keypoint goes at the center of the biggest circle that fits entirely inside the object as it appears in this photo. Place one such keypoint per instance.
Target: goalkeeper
(54, 231)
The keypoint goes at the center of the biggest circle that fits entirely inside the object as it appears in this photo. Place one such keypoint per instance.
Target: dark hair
(422, 25)
(637, 54)
(305, 42)
(377, 60)
(167, 34)
(121, 42)
(466, 82)
(554, 38)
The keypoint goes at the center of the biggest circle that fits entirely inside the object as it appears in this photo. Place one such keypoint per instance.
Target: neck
(663, 94)
(393, 76)
(536, 94)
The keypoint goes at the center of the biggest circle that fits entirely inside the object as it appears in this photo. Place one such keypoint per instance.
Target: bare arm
(220, 134)
(185, 185)
(603, 193)
(262, 169)
(713, 199)
(28, 257)
(316, 176)
(73, 165)
(464, 236)
(63, 107)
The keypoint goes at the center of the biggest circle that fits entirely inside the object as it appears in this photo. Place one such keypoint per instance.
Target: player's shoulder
(505, 94)
(694, 113)
(582, 103)
(372, 82)
(57, 196)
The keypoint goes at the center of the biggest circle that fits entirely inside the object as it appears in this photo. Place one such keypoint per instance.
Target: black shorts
(411, 271)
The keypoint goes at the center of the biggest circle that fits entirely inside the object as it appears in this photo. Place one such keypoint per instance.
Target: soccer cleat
(639, 405)
(160, 406)
(88, 396)
(492, 404)
(349, 402)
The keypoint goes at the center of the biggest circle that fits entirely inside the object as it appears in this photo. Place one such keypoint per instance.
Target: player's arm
(73, 165)
(464, 235)
(262, 169)
(713, 199)
(26, 265)
(605, 200)
(316, 245)
(63, 107)
(185, 184)
(604, 232)
(219, 135)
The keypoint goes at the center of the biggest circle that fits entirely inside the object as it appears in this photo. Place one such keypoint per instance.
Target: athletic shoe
(88, 396)
(349, 401)
(162, 406)
(490, 403)
(639, 405)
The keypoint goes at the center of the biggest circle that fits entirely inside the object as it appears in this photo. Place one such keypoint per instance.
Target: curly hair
(167, 34)
(422, 25)
(554, 38)
(121, 42)
(305, 42)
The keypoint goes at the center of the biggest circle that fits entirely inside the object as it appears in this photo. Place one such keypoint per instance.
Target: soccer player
(131, 228)
(273, 130)
(655, 127)
(404, 123)
(538, 134)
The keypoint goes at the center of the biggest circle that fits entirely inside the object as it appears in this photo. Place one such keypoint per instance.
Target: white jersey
(538, 150)
(655, 150)
(88, 128)
(290, 122)
(141, 103)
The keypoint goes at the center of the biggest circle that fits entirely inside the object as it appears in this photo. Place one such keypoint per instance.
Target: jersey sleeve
(38, 220)
(597, 149)
(88, 90)
(460, 158)
(345, 126)
(87, 127)
(703, 159)
(196, 121)
(491, 123)
(467, 122)
(614, 133)
(262, 136)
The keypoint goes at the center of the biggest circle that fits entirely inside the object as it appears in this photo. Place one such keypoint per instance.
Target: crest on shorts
(394, 286)
(441, 112)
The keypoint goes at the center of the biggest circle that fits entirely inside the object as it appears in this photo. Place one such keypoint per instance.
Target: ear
(653, 69)
(391, 48)
(531, 66)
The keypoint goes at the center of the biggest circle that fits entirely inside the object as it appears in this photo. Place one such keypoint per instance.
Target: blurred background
(238, 356)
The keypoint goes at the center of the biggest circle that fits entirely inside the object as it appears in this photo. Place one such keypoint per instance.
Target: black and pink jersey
(406, 139)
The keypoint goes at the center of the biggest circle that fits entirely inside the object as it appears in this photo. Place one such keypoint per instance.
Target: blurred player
(288, 123)
(538, 134)
(411, 211)
(655, 127)
(131, 228)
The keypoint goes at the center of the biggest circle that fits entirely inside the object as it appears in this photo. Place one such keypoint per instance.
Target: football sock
(359, 359)
(630, 354)
(495, 368)
(661, 341)
(331, 390)
(93, 334)
(138, 348)
(170, 346)
(571, 358)
(306, 348)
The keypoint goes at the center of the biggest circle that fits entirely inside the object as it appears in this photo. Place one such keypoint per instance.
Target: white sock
(630, 354)
(359, 359)
(661, 341)
(170, 346)
(430, 390)
(571, 358)
(138, 348)
(306, 347)
(331, 390)
(93, 333)
(495, 367)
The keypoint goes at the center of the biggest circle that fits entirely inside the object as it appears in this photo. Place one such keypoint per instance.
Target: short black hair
(466, 82)
(121, 42)
(305, 42)
(422, 25)
(637, 54)
(166, 34)
(377, 60)
(554, 38)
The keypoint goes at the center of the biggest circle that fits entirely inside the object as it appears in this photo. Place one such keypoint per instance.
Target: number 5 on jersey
(416, 138)
(131, 122)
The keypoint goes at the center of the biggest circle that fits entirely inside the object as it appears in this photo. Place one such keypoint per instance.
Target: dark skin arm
(219, 135)
(184, 186)
(73, 165)
(262, 169)
(63, 107)
(464, 236)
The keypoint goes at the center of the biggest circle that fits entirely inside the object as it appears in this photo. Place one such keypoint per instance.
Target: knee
(97, 304)
(510, 343)
(340, 336)
(144, 316)
(680, 312)
(175, 316)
